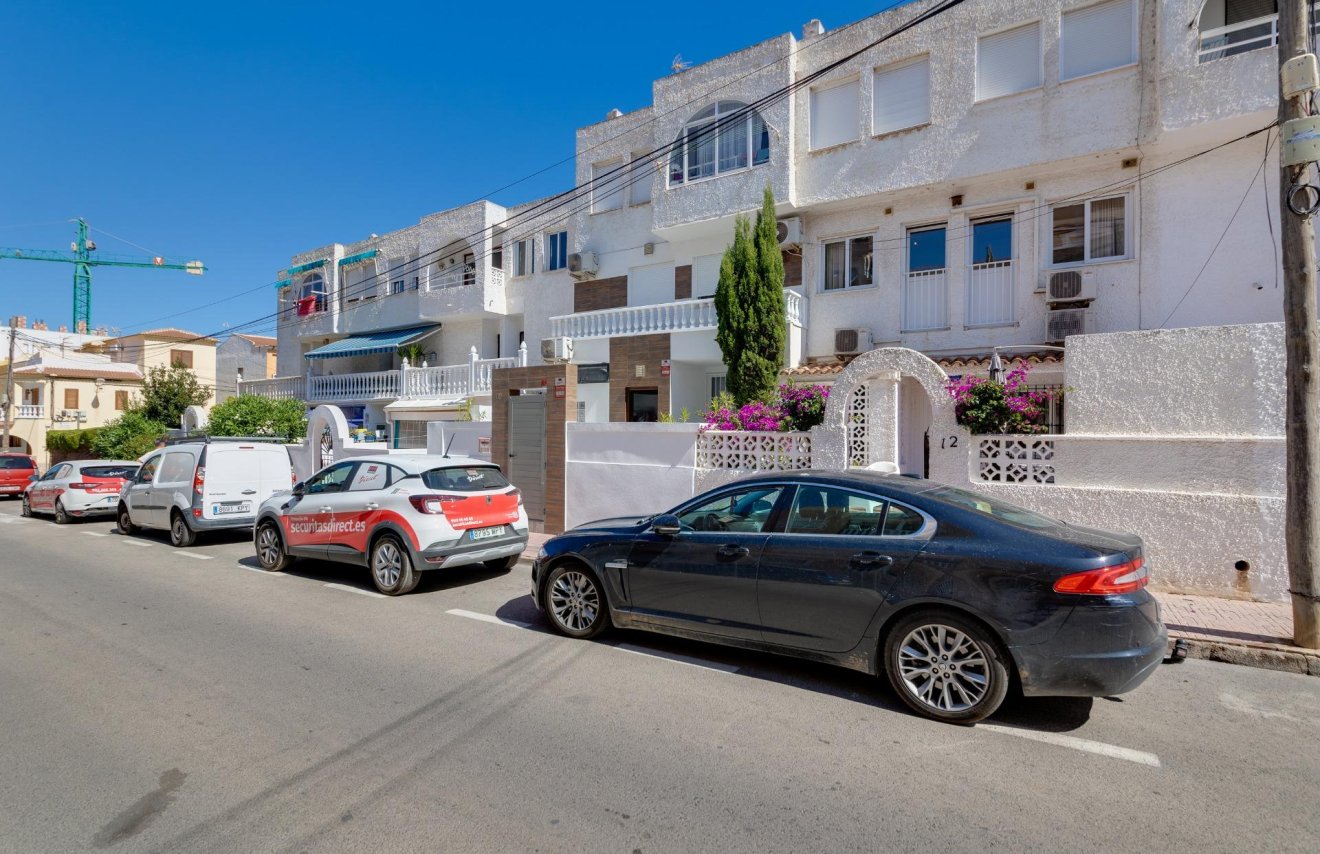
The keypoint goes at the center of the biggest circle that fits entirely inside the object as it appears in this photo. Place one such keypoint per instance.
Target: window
(466, 479)
(724, 137)
(608, 181)
(121, 399)
(370, 476)
(1092, 230)
(148, 470)
(311, 295)
(902, 521)
(1098, 38)
(71, 398)
(177, 467)
(719, 384)
(1008, 62)
(1001, 510)
(925, 298)
(992, 240)
(990, 279)
(825, 510)
(497, 257)
(410, 434)
(901, 96)
(848, 263)
(359, 280)
(834, 114)
(641, 177)
(332, 479)
(181, 357)
(926, 249)
(1230, 27)
(524, 258)
(746, 511)
(556, 250)
(706, 274)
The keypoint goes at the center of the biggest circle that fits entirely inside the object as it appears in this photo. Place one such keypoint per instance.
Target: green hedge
(71, 441)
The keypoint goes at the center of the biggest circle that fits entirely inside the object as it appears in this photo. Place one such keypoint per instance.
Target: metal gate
(526, 463)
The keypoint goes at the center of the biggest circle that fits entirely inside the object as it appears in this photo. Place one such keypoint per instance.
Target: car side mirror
(299, 489)
(666, 525)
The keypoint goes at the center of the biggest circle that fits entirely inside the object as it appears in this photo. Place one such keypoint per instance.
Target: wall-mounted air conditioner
(583, 265)
(556, 350)
(1069, 286)
(790, 231)
(1062, 322)
(850, 342)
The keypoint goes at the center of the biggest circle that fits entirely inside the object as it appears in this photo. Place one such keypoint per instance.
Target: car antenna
(449, 444)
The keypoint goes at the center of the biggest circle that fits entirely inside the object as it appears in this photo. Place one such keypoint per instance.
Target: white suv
(397, 515)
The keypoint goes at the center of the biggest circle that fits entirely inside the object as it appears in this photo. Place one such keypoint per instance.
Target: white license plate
(487, 533)
(226, 509)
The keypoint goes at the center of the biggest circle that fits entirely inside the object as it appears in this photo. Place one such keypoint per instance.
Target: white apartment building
(1004, 175)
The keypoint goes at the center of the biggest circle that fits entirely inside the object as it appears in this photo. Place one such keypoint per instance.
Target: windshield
(121, 472)
(1000, 510)
(465, 479)
(16, 463)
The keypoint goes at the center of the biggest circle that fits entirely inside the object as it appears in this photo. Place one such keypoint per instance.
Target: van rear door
(276, 472)
(231, 486)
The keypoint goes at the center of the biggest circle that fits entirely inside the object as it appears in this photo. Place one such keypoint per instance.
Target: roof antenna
(449, 444)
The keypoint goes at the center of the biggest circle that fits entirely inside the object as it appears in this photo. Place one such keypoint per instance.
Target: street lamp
(996, 368)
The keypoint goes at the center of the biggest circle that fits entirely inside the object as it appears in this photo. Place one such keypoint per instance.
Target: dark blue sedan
(953, 594)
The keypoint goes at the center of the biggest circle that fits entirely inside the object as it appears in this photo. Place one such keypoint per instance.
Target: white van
(196, 486)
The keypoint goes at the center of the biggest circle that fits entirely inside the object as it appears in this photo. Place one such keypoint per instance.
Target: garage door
(526, 464)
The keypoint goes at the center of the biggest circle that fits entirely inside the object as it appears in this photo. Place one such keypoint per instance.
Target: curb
(1264, 656)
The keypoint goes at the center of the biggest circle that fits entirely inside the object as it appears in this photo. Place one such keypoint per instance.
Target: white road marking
(262, 571)
(94, 533)
(487, 618)
(677, 659)
(195, 556)
(14, 520)
(1085, 745)
(359, 591)
(126, 541)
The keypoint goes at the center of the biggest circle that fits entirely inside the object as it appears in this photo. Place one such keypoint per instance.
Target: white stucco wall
(626, 469)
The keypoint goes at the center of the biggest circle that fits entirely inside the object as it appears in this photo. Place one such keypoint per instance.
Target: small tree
(127, 437)
(166, 392)
(251, 415)
(749, 306)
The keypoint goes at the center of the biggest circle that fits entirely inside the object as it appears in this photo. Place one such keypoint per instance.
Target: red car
(16, 472)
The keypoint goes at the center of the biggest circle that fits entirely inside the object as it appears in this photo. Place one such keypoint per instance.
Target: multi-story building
(243, 357)
(1001, 176)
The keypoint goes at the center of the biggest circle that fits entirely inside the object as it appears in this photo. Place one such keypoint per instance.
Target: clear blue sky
(239, 133)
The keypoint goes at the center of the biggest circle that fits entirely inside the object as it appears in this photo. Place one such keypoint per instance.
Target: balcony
(276, 388)
(30, 410)
(681, 316)
(1244, 36)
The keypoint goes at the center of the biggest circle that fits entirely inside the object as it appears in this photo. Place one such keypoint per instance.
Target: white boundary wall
(621, 469)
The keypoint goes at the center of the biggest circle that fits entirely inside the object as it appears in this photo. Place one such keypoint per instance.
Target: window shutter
(834, 115)
(902, 95)
(642, 174)
(706, 275)
(1008, 62)
(607, 192)
(1097, 38)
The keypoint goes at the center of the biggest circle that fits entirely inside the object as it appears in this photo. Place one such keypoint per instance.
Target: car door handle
(872, 559)
(732, 551)
(249, 492)
(371, 505)
(325, 509)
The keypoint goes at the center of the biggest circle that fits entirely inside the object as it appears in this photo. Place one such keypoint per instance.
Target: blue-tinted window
(926, 249)
(992, 240)
(556, 250)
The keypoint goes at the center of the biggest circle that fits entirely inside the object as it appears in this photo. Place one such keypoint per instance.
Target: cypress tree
(749, 305)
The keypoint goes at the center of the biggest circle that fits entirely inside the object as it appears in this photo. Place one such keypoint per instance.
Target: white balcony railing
(990, 293)
(679, 316)
(925, 301)
(1244, 36)
(483, 369)
(31, 410)
(366, 386)
(276, 388)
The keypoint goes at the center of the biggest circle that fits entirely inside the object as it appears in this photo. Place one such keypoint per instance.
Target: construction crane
(81, 257)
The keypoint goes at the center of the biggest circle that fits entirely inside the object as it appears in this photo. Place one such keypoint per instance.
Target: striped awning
(303, 268)
(284, 283)
(376, 342)
(359, 257)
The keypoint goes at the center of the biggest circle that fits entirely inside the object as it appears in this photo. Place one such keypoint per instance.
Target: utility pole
(9, 389)
(1302, 427)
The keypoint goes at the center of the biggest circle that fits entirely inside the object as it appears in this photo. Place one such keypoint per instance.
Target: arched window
(311, 294)
(724, 137)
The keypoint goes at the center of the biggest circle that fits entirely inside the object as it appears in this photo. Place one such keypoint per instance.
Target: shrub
(983, 406)
(794, 408)
(71, 441)
(251, 415)
(127, 437)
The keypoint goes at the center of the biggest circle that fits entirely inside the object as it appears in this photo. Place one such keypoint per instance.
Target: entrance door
(913, 425)
(643, 404)
(526, 464)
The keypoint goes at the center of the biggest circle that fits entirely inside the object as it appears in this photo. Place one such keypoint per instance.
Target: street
(158, 699)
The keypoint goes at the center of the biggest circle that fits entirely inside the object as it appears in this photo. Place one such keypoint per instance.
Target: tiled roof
(826, 369)
(117, 372)
(957, 362)
(168, 334)
(258, 340)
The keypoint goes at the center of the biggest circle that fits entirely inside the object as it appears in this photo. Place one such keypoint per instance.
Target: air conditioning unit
(1062, 322)
(790, 230)
(556, 350)
(583, 265)
(850, 342)
(1070, 286)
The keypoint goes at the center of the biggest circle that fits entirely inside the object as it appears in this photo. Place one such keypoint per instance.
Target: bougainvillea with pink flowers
(984, 406)
(794, 408)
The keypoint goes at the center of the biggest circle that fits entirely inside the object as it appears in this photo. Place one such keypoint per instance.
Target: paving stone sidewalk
(1238, 631)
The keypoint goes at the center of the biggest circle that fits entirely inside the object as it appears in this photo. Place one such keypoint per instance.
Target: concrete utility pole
(1302, 428)
(9, 390)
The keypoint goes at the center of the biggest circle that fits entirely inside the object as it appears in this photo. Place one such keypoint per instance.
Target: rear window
(123, 472)
(465, 479)
(16, 463)
(1000, 510)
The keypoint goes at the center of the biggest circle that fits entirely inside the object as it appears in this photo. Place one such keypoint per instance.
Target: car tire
(503, 564)
(124, 521)
(26, 509)
(181, 535)
(61, 516)
(575, 601)
(270, 548)
(391, 566)
(962, 662)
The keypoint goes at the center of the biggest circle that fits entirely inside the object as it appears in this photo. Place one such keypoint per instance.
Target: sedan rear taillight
(432, 504)
(83, 486)
(1125, 578)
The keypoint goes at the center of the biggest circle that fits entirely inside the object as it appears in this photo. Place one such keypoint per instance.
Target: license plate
(225, 509)
(486, 533)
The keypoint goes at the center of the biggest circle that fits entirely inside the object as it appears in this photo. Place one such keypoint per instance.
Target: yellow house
(160, 348)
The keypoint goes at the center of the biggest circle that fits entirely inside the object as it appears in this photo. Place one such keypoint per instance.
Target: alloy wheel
(387, 565)
(268, 546)
(574, 600)
(943, 668)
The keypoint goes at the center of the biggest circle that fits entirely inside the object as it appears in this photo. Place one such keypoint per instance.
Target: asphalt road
(154, 699)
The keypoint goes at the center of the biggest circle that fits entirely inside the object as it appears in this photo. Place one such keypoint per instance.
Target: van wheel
(270, 548)
(61, 517)
(125, 522)
(181, 536)
(391, 567)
